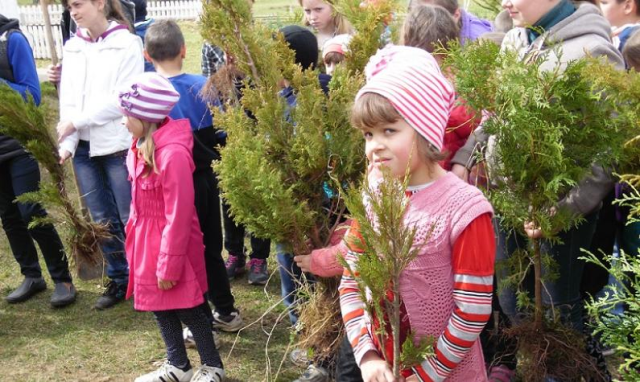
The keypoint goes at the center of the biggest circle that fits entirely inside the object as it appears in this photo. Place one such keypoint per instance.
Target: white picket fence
(32, 22)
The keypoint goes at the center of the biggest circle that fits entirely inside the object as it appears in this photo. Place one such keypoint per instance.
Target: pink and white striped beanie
(411, 80)
(149, 98)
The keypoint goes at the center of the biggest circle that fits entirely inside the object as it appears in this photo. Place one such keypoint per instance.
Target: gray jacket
(585, 32)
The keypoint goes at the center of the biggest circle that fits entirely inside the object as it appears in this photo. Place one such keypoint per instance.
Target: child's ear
(630, 7)
(146, 56)
(457, 15)
(183, 52)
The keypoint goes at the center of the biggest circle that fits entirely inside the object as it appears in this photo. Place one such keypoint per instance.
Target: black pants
(207, 200)
(234, 238)
(347, 370)
(170, 324)
(595, 277)
(496, 347)
(20, 175)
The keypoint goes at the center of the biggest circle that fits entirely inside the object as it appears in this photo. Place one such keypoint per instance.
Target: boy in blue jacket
(165, 48)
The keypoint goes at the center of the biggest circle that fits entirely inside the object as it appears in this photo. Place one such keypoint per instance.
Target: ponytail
(147, 149)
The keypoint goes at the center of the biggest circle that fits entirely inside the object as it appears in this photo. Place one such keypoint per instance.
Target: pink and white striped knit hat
(411, 80)
(149, 98)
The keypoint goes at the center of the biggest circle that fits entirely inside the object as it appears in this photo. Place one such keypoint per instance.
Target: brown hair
(450, 5)
(112, 11)
(163, 40)
(371, 110)
(340, 23)
(631, 51)
(428, 27)
(333, 58)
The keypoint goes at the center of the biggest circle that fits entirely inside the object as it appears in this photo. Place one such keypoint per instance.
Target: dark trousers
(207, 201)
(20, 175)
(496, 347)
(347, 369)
(234, 238)
(563, 293)
(170, 324)
(596, 277)
(103, 182)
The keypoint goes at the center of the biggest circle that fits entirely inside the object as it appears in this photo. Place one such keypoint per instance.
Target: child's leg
(290, 275)
(207, 203)
(563, 293)
(171, 331)
(197, 321)
(347, 369)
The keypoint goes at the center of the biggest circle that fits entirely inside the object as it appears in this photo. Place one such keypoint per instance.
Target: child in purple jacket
(471, 26)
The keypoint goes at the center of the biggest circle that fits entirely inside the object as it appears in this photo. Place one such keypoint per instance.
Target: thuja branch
(27, 123)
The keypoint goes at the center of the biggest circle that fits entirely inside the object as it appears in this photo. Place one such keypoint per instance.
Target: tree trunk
(537, 267)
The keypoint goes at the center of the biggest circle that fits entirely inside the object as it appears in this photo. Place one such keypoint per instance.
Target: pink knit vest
(440, 212)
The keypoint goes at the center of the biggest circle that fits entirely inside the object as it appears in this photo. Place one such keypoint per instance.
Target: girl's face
(319, 14)
(135, 126)
(394, 146)
(330, 67)
(87, 13)
(527, 12)
(618, 13)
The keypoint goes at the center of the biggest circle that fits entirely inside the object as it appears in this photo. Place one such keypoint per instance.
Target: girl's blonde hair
(147, 149)
(340, 23)
(631, 51)
(372, 110)
(429, 27)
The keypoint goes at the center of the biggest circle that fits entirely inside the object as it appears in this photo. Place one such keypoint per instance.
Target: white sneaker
(314, 374)
(230, 323)
(208, 374)
(167, 373)
(299, 357)
(190, 343)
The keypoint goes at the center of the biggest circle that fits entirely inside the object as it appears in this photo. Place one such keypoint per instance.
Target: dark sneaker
(112, 295)
(227, 323)
(29, 288)
(258, 274)
(314, 374)
(64, 294)
(235, 266)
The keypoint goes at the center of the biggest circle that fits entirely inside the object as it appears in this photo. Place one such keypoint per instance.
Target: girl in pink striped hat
(164, 243)
(446, 290)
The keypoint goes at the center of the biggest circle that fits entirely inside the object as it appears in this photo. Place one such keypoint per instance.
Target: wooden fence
(32, 22)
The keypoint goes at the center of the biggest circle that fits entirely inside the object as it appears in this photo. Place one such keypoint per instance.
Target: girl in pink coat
(164, 243)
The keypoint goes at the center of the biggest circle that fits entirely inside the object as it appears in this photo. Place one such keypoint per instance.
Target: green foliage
(491, 7)
(278, 159)
(387, 249)
(620, 331)
(547, 128)
(28, 124)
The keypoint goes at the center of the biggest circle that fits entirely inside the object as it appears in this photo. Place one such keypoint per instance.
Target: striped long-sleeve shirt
(472, 264)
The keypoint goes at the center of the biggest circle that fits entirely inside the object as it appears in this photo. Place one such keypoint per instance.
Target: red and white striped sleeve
(473, 267)
(351, 304)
